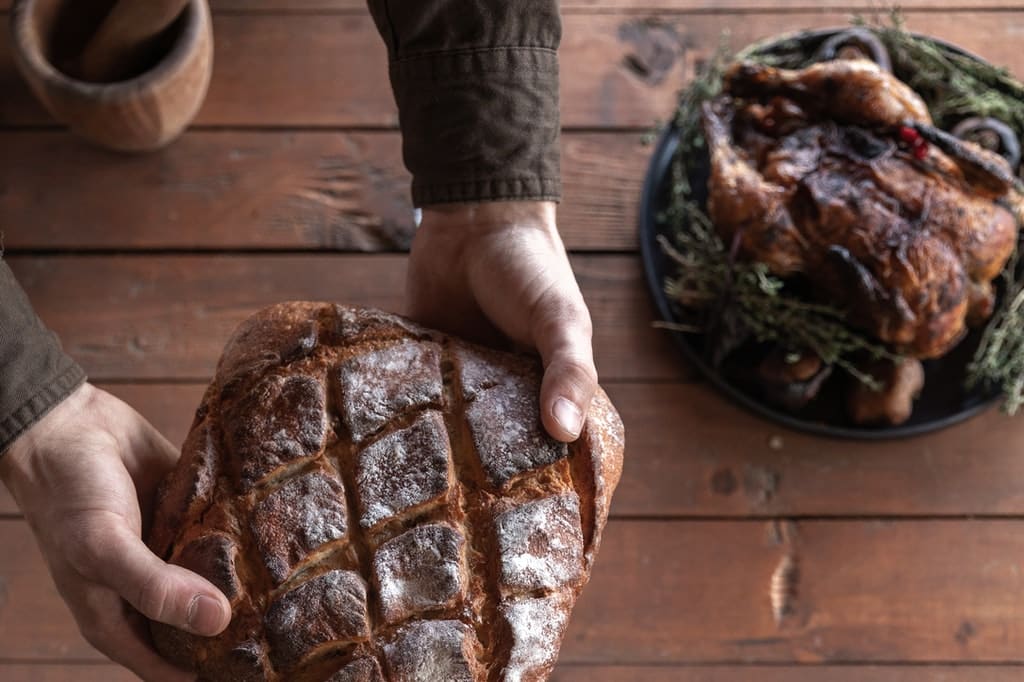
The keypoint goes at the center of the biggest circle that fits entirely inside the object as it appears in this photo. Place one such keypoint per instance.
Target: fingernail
(568, 416)
(204, 615)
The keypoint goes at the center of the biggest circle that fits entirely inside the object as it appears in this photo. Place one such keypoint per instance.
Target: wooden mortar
(143, 111)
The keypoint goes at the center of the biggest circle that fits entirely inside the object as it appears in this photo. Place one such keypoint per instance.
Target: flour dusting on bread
(381, 503)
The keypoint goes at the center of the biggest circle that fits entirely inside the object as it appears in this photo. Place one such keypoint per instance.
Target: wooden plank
(875, 591)
(725, 6)
(634, 5)
(167, 317)
(357, 6)
(57, 672)
(101, 672)
(690, 453)
(209, 190)
(787, 673)
(274, 190)
(32, 616)
(618, 69)
(698, 592)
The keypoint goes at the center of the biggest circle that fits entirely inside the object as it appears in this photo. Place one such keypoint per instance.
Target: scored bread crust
(379, 501)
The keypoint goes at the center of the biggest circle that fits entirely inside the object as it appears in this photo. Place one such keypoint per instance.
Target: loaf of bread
(379, 501)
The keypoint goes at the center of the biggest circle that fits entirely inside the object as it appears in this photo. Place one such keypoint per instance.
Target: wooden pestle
(125, 36)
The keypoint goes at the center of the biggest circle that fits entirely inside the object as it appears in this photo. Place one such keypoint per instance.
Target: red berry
(921, 151)
(909, 135)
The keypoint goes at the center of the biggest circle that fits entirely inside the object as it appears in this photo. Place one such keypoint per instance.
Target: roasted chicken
(853, 91)
(835, 173)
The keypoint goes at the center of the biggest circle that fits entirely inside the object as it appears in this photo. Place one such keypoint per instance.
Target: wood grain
(274, 190)
(863, 591)
(698, 592)
(101, 672)
(691, 453)
(56, 672)
(786, 673)
(618, 69)
(126, 31)
(359, 6)
(737, 6)
(167, 317)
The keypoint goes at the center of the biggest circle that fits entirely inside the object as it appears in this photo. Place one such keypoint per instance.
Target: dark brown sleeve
(35, 374)
(476, 82)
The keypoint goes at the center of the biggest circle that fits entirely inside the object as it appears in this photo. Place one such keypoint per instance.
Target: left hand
(84, 476)
(497, 270)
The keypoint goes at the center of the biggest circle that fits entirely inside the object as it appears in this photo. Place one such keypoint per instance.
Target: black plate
(943, 402)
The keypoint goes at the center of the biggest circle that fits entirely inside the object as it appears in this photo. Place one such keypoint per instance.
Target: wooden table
(900, 561)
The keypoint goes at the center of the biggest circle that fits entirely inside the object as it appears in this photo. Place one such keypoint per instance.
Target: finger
(562, 330)
(112, 629)
(153, 455)
(161, 592)
(146, 454)
(157, 458)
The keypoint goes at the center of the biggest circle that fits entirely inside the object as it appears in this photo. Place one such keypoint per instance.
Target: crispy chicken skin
(807, 176)
(744, 205)
(845, 90)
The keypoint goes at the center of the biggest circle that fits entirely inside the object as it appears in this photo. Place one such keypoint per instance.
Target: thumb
(163, 592)
(562, 332)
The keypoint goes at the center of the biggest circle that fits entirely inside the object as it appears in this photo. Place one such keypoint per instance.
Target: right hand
(498, 269)
(79, 475)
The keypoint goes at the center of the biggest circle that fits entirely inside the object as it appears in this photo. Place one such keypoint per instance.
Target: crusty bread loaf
(379, 501)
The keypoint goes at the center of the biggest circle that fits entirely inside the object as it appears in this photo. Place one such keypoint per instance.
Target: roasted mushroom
(791, 379)
(993, 135)
(855, 43)
(901, 384)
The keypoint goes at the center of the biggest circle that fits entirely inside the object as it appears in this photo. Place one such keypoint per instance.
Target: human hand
(498, 270)
(79, 476)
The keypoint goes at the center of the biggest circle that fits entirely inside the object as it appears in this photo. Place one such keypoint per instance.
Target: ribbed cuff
(480, 125)
(38, 405)
(498, 189)
(35, 373)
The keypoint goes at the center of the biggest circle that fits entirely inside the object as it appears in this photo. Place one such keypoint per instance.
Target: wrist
(15, 462)
(489, 215)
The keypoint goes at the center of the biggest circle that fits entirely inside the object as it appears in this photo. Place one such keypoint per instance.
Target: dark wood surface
(698, 592)
(619, 69)
(907, 554)
(100, 672)
(259, 190)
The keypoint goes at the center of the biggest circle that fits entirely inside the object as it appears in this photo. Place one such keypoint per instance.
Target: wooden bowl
(143, 112)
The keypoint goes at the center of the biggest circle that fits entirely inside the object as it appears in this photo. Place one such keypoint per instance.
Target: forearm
(35, 373)
(476, 83)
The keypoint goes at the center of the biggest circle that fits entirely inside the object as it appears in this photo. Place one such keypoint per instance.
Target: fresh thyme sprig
(954, 85)
(1000, 362)
(759, 300)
